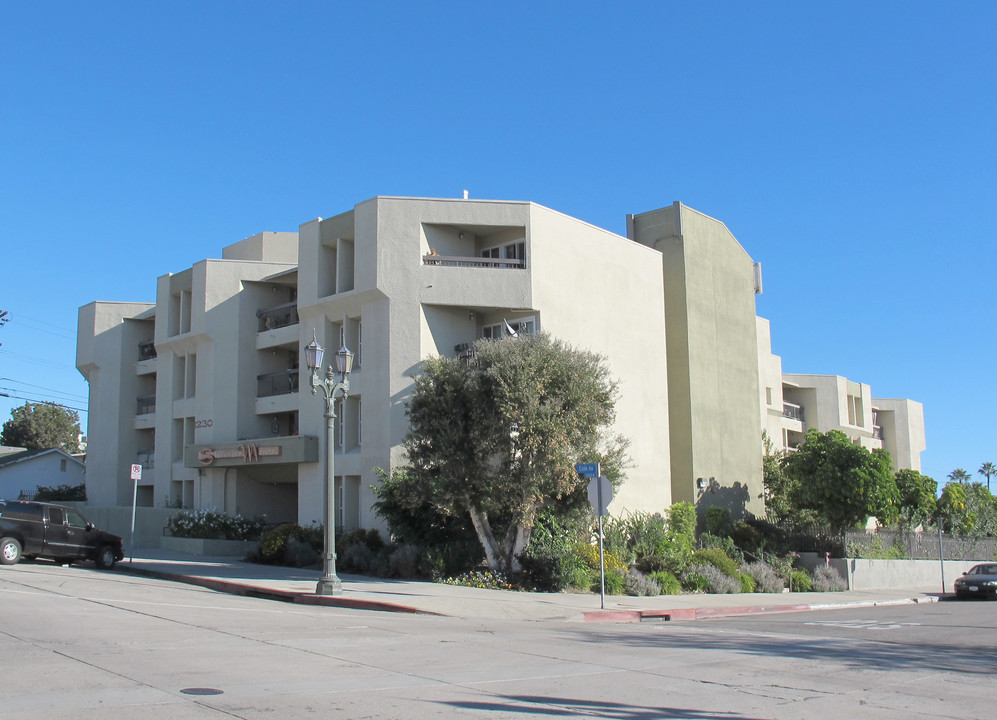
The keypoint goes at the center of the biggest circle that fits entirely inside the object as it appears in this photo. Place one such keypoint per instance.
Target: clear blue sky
(850, 147)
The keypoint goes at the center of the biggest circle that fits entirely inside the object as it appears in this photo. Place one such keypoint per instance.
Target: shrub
(670, 584)
(827, 579)
(717, 558)
(766, 579)
(299, 553)
(589, 556)
(747, 582)
(213, 525)
(717, 581)
(710, 541)
(616, 583)
(62, 493)
(800, 581)
(549, 563)
(403, 561)
(274, 544)
(718, 521)
(692, 581)
(639, 584)
(581, 578)
(358, 558)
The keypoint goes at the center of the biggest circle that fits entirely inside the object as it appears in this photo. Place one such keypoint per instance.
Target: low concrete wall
(198, 546)
(149, 522)
(888, 574)
(879, 574)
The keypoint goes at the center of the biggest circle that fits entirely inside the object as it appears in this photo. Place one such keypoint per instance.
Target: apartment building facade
(792, 404)
(206, 390)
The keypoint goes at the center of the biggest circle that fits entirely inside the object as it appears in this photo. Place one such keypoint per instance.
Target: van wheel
(10, 551)
(105, 558)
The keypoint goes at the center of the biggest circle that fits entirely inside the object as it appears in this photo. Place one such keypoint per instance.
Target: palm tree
(959, 475)
(986, 470)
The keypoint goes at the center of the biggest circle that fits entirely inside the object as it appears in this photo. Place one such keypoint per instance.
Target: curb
(288, 596)
(638, 616)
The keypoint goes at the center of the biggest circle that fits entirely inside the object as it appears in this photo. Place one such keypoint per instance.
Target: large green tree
(953, 512)
(842, 483)
(41, 426)
(497, 438)
(916, 498)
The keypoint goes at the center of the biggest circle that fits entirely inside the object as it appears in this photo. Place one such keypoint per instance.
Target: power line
(74, 396)
(42, 402)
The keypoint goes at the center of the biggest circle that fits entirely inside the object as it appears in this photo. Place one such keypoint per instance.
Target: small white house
(22, 472)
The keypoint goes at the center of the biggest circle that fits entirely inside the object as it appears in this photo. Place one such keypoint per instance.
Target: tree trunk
(501, 557)
(483, 529)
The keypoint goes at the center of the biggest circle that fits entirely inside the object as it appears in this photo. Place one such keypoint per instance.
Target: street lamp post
(329, 584)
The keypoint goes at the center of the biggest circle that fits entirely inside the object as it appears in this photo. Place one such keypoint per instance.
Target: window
(74, 519)
(523, 326)
(509, 251)
(856, 416)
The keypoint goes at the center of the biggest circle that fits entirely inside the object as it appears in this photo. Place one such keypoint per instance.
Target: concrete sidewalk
(295, 585)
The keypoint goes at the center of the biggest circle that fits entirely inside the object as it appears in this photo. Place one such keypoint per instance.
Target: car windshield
(984, 570)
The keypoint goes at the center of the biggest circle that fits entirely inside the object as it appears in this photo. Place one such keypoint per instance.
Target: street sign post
(600, 492)
(136, 476)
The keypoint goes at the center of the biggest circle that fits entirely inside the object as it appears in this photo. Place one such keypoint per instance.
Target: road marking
(862, 624)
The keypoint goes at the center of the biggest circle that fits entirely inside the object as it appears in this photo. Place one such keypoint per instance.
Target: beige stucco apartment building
(207, 391)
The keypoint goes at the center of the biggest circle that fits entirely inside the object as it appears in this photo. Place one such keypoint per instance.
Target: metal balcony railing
(454, 261)
(278, 383)
(145, 405)
(278, 317)
(146, 350)
(146, 458)
(792, 411)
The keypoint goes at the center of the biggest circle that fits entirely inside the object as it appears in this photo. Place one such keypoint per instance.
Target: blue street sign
(589, 470)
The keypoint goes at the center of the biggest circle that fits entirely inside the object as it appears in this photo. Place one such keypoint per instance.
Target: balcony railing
(278, 317)
(792, 411)
(147, 350)
(454, 261)
(278, 383)
(146, 458)
(145, 405)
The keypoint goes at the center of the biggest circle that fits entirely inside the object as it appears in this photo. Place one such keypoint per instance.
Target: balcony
(455, 261)
(278, 383)
(877, 432)
(146, 350)
(792, 411)
(145, 405)
(146, 458)
(278, 317)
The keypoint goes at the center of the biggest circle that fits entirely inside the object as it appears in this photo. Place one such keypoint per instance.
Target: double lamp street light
(329, 584)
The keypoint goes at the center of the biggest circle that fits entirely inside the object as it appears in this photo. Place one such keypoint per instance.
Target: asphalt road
(77, 643)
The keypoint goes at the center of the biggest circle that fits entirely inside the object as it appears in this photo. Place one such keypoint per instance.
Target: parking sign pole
(136, 476)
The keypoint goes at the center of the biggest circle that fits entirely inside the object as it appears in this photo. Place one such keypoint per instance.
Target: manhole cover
(201, 691)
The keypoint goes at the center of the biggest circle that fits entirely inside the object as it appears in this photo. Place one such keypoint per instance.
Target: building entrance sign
(264, 451)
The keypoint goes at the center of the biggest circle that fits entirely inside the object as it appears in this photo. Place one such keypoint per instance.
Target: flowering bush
(481, 579)
(767, 580)
(708, 578)
(213, 525)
